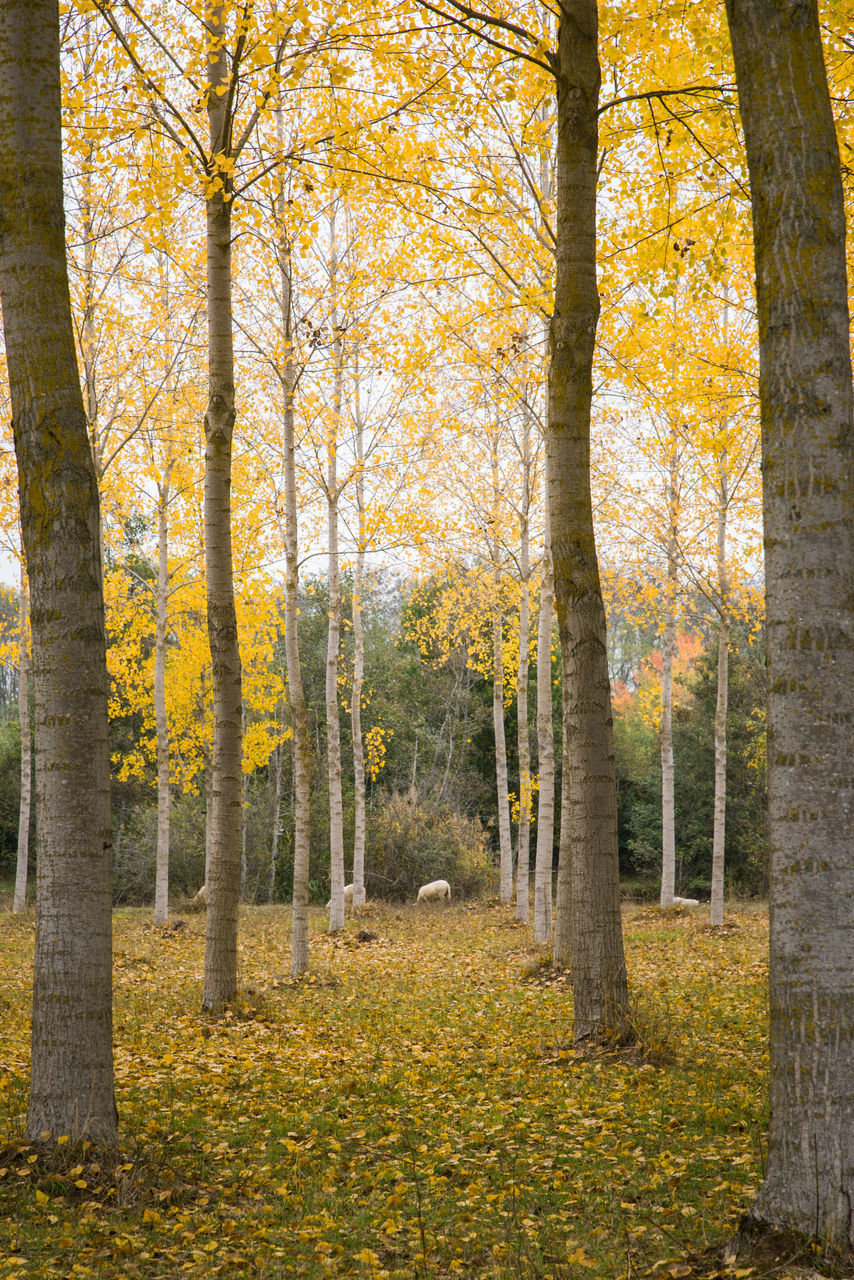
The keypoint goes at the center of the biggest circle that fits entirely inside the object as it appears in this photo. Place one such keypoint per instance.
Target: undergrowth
(413, 1107)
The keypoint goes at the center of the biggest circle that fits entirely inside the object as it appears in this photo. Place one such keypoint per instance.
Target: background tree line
(428, 716)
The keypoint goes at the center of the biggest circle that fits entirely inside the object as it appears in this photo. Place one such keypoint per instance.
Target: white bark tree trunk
(223, 882)
(668, 653)
(545, 748)
(523, 836)
(71, 1076)
(504, 832)
(161, 883)
(562, 944)
(807, 465)
(277, 818)
(358, 665)
(716, 906)
(333, 724)
(296, 692)
(22, 863)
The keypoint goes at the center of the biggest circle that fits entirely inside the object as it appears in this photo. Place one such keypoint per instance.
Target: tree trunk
(296, 691)
(523, 837)
(88, 337)
(504, 833)
(807, 442)
(716, 907)
(223, 884)
(161, 882)
(545, 748)
(668, 807)
(277, 818)
(358, 668)
(598, 966)
(562, 944)
(333, 724)
(71, 1077)
(22, 864)
(208, 810)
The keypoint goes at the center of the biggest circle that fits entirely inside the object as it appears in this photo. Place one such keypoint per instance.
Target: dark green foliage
(638, 769)
(693, 746)
(639, 777)
(10, 795)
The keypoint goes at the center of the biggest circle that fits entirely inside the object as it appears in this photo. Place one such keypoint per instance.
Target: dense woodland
(430, 473)
(435, 717)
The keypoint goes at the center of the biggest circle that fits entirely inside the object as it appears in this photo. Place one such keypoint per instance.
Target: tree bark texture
(523, 837)
(358, 670)
(716, 906)
(545, 749)
(296, 691)
(19, 902)
(807, 441)
(668, 804)
(599, 972)
(161, 876)
(505, 838)
(562, 943)
(226, 814)
(71, 1077)
(333, 635)
(504, 833)
(279, 755)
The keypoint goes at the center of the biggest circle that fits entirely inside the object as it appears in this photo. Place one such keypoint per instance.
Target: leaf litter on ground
(413, 1107)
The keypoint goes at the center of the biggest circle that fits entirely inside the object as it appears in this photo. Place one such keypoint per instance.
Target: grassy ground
(414, 1108)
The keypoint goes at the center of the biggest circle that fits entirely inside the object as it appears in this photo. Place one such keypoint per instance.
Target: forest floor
(412, 1108)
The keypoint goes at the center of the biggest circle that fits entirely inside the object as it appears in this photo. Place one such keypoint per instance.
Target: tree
(71, 1080)
(223, 47)
(807, 442)
(599, 971)
(24, 809)
(287, 374)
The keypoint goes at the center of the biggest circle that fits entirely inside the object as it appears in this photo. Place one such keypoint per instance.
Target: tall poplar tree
(807, 443)
(223, 52)
(71, 1078)
(598, 964)
(598, 961)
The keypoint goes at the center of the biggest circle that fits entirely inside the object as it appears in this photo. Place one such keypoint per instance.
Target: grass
(413, 1108)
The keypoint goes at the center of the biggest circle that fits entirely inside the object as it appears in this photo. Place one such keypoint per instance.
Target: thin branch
(474, 15)
(665, 93)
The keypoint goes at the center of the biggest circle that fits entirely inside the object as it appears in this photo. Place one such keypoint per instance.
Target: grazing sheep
(686, 902)
(435, 891)
(348, 897)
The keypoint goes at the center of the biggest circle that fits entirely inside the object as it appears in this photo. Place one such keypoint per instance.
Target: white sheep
(435, 891)
(686, 902)
(202, 896)
(348, 897)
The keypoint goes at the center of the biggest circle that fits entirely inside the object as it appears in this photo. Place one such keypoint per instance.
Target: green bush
(413, 840)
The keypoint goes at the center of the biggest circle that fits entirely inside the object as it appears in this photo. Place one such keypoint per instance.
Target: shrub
(414, 839)
(135, 847)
